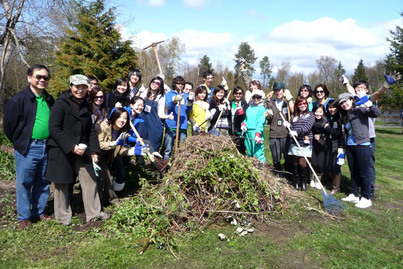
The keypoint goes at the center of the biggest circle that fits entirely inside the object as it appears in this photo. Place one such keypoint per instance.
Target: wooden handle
(141, 140)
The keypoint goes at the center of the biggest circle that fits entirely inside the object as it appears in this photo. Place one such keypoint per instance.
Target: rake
(331, 204)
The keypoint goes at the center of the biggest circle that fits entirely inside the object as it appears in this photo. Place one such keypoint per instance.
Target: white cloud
(298, 42)
(156, 3)
(195, 4)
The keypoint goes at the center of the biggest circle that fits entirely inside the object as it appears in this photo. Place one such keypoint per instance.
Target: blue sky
(295, 31)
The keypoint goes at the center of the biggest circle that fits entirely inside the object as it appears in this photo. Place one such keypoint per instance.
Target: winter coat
(69, 127)
(19, 118)
(235, 120)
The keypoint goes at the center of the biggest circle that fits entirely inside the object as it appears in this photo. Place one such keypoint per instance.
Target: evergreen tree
(92, 46)
(336, 87)
(248, 54)
(204, 65)
(394, 62)
(359, 73)
(265, 70)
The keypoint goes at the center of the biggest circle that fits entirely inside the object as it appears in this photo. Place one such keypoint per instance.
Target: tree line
(78, 36)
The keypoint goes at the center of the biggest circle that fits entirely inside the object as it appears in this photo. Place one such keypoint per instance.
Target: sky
(284, 30)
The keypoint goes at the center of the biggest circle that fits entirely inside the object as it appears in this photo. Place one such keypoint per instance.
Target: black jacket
(69, 127)
(19, 118)
(236, 120)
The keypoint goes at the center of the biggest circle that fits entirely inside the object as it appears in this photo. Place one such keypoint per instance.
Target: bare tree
(283, 72)
(326, 66)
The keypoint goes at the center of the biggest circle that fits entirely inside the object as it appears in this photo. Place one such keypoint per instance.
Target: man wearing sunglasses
(26, 124)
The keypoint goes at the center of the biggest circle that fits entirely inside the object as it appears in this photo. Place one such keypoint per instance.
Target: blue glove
(340, 157)
(389, 79)
(361, 100)
(131, 140)
(141, 150)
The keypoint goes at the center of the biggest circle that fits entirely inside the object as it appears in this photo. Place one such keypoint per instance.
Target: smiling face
(320, 93)
(39, 80)
(209, 80)
(121, 121)
(201, 95)
(134, 79)
(332, 110)
(302, 106)
(79, 91)
(361, 87)
(155, 85)
(99, 98)
(256, 99)
(122, 88)
(304, 92)
(187, 88)
(238, 95)
(220, 94)
(319, 113)
(347, 105)
(137, 107)
(279, 94)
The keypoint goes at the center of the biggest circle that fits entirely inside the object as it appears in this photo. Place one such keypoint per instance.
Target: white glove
(225, 101)
(243, 127)
(196, 128)
(177, 98)
(344, 79)
(142, 150)
(213, 111)
(286, 124)
(368, 103)
(294, 133)
(124, 136)
(191, 96)
(287, 95)
(171, 116)
(222, 107)
(224, 84)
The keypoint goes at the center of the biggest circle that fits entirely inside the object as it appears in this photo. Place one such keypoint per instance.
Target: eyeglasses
(156, 82)
(304, 90)
(39, 77)
(238, 93)
(302, 104)
(99, 97)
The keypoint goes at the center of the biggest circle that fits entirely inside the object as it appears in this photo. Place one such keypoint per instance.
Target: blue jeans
(358, 162)
(170, 136)
(32, 187)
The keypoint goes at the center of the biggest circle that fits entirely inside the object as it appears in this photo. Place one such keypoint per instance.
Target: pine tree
(205, 65)
(265, 70)
(359, 73)
(394, 62)
(92, 46)
(245, 52)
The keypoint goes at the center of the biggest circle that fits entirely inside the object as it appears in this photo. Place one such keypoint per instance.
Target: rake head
(331, 204)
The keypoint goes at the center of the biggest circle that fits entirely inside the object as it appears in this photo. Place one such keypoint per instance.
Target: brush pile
(208, 182)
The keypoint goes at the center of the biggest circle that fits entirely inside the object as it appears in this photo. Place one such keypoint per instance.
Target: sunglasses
(304, 90)
(238, 93)
(319, 91)
(302, 104)
(99, 97)
(156, 82)
(39, 77)
(256, 97)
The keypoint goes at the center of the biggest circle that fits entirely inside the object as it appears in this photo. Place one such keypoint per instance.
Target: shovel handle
(141, 141)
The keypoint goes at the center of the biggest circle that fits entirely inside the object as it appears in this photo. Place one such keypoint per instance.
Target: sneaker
(364, 203)
(351, 198)
(102, 216)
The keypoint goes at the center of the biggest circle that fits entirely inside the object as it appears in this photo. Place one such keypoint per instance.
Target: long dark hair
(91, 98)
(116, 114)
(214, 97)
(305, 86)
(161, 89)
(201, 89)
(115, 96)
(333, 103)
(324, 87)
(135, 72)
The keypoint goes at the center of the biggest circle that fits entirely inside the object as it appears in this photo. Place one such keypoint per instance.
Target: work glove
(269, 95)
(294, 133)
(131, 140)
(287, 95)
(224, 84)
(340, 156)
(225, 101)
(222, 107)
(177, 98)
(392, 79)
(258, 139)
(97, 168)
(139, 150)
(239, 110)
(268, 113)
(196, 128)
(286, 124)
(191, 96)
(343, 79)
(120, 141)
(243, 127)
(171, 116)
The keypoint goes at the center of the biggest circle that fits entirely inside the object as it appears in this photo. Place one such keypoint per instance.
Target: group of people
(89, 135)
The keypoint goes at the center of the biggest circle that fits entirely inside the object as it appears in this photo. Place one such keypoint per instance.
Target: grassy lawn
(304, 237)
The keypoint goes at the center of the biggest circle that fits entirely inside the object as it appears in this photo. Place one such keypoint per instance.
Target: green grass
(303, 238)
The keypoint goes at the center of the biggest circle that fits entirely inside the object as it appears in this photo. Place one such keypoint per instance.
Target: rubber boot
(295, 176)
(336, 184)
(277, 166)
(303, 177)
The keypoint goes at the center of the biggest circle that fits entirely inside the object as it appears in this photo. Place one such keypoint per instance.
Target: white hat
(258, 92)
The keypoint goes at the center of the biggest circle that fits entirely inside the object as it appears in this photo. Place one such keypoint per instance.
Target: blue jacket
(19, 118)
(173, 107)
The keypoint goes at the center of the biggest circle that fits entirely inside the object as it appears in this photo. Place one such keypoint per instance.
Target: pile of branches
(208, 182)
